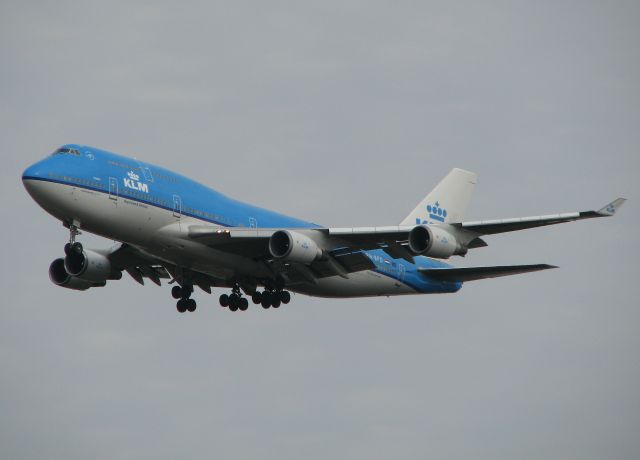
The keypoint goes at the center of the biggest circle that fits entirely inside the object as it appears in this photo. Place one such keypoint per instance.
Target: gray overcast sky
(344, 113)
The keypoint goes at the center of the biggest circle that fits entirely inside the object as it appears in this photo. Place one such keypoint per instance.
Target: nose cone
(33, 174)
(33, 171)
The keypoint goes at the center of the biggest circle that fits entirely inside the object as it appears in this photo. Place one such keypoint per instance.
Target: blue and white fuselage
(170, 226)
(152, 208)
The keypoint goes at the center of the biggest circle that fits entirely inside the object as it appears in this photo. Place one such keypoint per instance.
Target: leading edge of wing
(488, 227)
(478, 273)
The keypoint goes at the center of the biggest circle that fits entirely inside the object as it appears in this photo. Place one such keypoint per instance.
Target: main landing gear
(271, 298)
(185, 302)
(235, 301)
(273, 295)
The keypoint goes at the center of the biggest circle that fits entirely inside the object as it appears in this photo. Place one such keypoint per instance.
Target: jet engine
(293, 247)
(58, 275)
(89, 265)
(435, 242)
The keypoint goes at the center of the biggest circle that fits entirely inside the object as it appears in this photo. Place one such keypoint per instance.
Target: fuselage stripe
(124, 196)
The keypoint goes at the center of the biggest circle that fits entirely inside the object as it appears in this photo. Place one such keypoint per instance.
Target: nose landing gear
(72, 245)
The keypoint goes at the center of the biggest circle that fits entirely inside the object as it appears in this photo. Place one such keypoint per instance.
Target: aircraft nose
(32, 174)
(33, 171)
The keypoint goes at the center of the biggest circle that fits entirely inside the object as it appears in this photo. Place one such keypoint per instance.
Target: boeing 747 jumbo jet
(171, 227)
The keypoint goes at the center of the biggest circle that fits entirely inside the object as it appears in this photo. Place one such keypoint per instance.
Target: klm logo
(435, 213)
(133, 182)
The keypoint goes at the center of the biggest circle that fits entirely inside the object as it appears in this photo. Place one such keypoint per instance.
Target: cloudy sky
(344, 113)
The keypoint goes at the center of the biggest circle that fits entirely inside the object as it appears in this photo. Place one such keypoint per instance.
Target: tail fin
(447, 202)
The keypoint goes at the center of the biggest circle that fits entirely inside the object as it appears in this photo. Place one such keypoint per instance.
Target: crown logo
(133, 176)
(436, 212)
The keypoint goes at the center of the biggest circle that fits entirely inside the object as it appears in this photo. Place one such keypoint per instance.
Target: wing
(138, 265)
(343, 249)
(490, 227)
(339, 257)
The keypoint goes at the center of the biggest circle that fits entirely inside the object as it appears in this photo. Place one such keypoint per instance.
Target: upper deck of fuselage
(92, 168)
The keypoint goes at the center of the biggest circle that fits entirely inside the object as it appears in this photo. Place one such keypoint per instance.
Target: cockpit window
(67, 151)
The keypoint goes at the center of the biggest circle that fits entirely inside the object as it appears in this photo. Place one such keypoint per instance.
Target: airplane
(170, 227)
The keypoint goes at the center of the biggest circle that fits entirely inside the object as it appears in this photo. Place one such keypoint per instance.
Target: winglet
(611, 208)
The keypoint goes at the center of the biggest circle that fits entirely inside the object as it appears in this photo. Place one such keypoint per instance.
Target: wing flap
(355, 261)
(478, 273)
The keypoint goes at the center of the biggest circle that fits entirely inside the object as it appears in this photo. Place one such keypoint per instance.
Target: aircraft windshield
(67, 151)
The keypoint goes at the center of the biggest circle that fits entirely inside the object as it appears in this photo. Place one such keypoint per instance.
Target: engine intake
(434, 242)
(89, 265)
(59, 276)
(294, 247)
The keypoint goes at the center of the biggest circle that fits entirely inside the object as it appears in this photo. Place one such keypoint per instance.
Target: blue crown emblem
(436, 212)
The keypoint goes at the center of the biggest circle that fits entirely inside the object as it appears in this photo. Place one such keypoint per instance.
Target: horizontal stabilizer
(478, 273)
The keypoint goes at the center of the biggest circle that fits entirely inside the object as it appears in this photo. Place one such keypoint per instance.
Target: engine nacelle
(294, 247)
(58, 275)
(90, 266)
(434, 242)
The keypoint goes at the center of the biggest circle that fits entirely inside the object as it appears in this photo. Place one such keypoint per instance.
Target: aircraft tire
(275, 303)
(191, 305)
(176, 292)
(285, 297)
(256, 298)
(224, 300)
(243, 304)
(181, 306)
(266, 300)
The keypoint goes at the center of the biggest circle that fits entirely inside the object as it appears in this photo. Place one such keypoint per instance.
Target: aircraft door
(113, 189)
(177, 206)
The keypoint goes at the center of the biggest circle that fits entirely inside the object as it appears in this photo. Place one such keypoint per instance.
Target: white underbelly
(359, 284)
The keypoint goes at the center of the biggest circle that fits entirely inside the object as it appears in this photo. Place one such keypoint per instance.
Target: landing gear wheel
(191, 305)
(233, 306)
(256, 298)
(181, 306)
(76, 247)
(285, 297)
(176, 292)
(67, 249)
(224, 300)
(275, 303)
(266, 299)
(243, 304)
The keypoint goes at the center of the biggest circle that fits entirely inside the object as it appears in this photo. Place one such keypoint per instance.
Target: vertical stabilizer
(447, 202)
